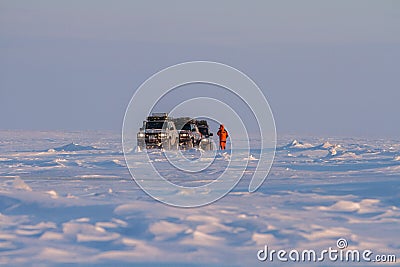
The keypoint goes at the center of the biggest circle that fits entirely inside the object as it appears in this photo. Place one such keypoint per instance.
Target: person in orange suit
(223, 134)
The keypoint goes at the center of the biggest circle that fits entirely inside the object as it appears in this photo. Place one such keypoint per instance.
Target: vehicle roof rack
(202, 122)
(158, 117)
(160, 114)
(181, 121)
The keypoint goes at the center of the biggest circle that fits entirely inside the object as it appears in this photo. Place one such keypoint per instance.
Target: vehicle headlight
(141, 135)
(184, 134)
(163, 134)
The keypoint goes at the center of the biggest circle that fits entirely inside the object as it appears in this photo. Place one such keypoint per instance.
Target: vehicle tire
(167, 144)
(189, 144)
(176, 145)
(193, 142)
(203, 145)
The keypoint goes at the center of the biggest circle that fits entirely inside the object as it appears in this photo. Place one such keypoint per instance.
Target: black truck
(206, 141)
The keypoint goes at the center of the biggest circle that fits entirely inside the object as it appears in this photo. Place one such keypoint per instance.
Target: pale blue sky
(326, 67)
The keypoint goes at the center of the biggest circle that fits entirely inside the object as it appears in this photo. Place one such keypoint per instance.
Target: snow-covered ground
(69, 198)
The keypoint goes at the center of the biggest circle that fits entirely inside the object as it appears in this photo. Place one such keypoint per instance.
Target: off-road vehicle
(189, 134)
(206, 141)
(158, 131)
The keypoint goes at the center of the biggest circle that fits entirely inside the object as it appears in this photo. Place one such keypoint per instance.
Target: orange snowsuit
(223, 134)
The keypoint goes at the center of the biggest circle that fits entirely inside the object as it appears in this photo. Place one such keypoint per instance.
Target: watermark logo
(340, 253)
(341, 243)
(162, 83)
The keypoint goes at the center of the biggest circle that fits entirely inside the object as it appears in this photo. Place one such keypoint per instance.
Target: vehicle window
(186, 127)
(154, 125)
(203, 131)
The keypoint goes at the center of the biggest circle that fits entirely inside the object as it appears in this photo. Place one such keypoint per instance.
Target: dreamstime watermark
(201, 72)
(339, 253)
